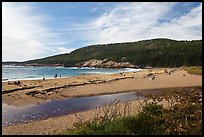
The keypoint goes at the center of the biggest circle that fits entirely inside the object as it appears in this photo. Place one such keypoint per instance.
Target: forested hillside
(155, 53)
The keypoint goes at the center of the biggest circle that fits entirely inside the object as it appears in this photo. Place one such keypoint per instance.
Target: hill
(155, 53)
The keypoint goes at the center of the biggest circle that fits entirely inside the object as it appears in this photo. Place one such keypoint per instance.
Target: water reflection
(14, 115)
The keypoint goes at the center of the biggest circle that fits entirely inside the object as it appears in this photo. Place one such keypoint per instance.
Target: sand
(94, 85)
(86, 86)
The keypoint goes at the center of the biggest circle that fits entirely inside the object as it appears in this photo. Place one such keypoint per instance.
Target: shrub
(184, 117)
(148, 122)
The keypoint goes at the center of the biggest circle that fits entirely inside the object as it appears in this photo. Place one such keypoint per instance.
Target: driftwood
(16, 89)
(43, 91)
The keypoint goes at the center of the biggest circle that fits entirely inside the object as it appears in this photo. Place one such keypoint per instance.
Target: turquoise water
(22, 72)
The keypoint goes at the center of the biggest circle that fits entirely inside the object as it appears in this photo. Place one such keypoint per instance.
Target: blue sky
(34, 30)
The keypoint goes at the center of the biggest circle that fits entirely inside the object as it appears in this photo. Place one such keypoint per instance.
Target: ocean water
(24, 72)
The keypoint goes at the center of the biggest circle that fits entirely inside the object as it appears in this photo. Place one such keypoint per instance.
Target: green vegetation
(183, 117)
(194, 70)
(155, 53)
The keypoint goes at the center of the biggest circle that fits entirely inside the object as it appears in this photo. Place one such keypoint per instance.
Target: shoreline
(41, 88)
(31, 79)
(86, 73)
(39, 91)
(88, 85)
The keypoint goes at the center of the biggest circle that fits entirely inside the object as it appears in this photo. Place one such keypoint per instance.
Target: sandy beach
(39, 91)
(87, 85)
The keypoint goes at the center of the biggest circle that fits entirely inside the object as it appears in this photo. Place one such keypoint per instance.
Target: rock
(106, 63)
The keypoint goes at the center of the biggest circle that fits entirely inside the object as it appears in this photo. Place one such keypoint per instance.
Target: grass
(184, 117)
(195, 70)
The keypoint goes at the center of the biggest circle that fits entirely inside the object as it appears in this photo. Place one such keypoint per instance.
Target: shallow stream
(14, 115)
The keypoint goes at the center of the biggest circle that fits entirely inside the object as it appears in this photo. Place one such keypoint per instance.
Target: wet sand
(87, 86)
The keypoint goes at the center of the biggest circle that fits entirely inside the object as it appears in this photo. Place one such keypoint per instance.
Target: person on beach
(18, 82)
(43, 78)
(9, 83)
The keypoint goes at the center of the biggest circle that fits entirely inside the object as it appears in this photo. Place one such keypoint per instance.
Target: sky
(32, 30)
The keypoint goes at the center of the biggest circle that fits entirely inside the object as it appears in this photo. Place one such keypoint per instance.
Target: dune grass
(195, 70)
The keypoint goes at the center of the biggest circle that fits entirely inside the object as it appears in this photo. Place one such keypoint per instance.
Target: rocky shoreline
(106, 63)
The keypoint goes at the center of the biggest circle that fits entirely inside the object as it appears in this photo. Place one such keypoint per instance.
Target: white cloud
(188, 26)
(139, 21)
(20, 32)
(25, 35)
